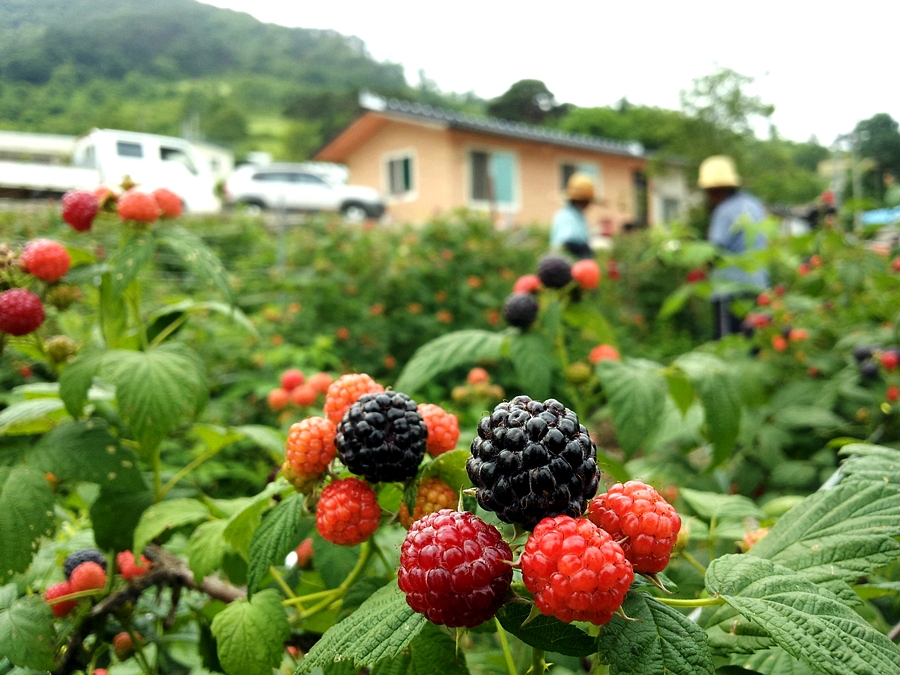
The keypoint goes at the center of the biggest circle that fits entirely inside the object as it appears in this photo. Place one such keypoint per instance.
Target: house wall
(434, 169)
(441, 175)
(669, 183)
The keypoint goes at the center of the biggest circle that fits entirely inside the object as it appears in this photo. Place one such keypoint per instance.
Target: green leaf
(676, 300)
(115, 516)
(532, 357)
(333, 561)
(803, 416)
(359, 592)
(718, 392)
(267, 438)
(680, 390)
(156, 389)
(545, 632)
(243, 523)
(835, 536)
(447, 352)
(808, 623)
(432, 652)
(381, 628)
(194, 307)
(709, 505)
(280, 532)
(129, 259)
(658, 639)
(27, 635)
(76, 380)
(198, 258)
(26, 515)
(86, 451)
(207, 547)
(592, 323)
(773, 661)
(450, 467)
(167, 515)
(29, 417)
(250, 634)
(871, 463)
(636, 396)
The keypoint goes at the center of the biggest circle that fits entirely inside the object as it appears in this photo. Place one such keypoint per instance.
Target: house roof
(416, 112)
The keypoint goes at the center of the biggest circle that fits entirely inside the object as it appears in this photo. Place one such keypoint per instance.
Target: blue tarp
(881, 216)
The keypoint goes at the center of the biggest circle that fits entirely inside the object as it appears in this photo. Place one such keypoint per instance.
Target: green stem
(171, 328)
(507, 654)
(281, 582)
(134, 299)
(693, 561)
(336, 594)
(139, 655)
(538, 665)
(158, 493)
(193, 464)
(300, 599)
(698, 602)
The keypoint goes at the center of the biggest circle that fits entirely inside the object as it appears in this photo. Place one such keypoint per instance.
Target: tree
(720, 99)
(879, 140)
(527, 101)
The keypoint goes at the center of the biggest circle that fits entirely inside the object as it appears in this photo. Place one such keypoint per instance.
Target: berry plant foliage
(169, 503)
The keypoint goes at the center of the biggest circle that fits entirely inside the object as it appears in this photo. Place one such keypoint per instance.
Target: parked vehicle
(107, 156)
(297, 187)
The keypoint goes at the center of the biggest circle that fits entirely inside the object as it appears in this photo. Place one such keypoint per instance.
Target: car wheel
(354, 213)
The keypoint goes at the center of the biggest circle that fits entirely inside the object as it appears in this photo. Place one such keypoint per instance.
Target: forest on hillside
(180, 67)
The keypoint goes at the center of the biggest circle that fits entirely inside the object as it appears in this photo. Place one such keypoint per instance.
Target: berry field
(336, 449)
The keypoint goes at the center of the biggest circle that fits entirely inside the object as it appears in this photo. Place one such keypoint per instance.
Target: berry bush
(181, 492)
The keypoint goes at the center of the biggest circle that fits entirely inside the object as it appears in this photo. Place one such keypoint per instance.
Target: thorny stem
(501, 634)
(538, 665)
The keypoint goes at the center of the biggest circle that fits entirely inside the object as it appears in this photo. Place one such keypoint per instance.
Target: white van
(150, 161)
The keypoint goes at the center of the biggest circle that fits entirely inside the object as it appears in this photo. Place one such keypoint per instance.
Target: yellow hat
(718, 171)
(580, 188)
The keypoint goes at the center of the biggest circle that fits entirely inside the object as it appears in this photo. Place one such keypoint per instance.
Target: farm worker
(570, 230)
(732, 209)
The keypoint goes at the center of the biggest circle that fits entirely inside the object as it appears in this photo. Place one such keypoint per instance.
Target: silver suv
(295, 187)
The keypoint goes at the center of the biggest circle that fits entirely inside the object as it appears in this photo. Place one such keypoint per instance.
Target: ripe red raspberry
(763, 300)
(345, 391)
(304, 552)
(128, 568)
(780, 290)
(348, 512)
(638, 514)
(169, 203)
(21, 312)
(576, 571)
(779, 344)
(890, 359)
(310, 449)
(528, 283)
(892, 393)
(803, 269)
(454, 568)
(798, 334)
(105, 197)
(88, 576)
(603, 353)
(292, 378)
(303, 395)
(695, 276)
(433, 495)
(278, 399)
(587, 274)
(79, 208)
(478, 375)
(443, 429)
(57, 591)
(138, 206)
(99, 671)
(46, 259)
(320, 382)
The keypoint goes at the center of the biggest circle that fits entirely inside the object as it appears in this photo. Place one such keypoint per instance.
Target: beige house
(427, 161)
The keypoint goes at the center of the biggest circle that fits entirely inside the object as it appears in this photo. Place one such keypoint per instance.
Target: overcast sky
(824, 66)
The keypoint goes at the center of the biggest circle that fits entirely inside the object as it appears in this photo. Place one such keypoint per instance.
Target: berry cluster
(296, 389)
(521, 307)
(80, 207)
(478, 390)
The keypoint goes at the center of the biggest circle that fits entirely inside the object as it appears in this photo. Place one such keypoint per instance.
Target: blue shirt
(569, 225)
(726, 230)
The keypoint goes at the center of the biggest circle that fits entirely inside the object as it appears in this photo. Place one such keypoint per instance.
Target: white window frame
(483, 204)
(386, 159)
(578, 163)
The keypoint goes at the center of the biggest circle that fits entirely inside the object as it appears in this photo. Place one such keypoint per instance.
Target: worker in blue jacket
(569, 231)
(732, 210)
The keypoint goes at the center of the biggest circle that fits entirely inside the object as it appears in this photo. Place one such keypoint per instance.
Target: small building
(427, 161)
